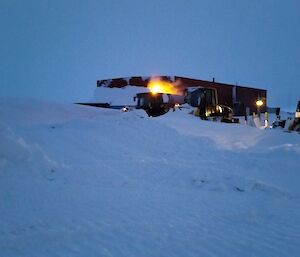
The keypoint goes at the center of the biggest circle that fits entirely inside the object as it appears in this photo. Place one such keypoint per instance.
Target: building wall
(247, 97)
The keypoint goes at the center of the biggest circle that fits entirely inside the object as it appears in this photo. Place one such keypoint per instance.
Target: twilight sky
(57, 49)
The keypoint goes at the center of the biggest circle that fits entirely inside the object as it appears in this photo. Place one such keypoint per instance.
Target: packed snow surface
(84, 181)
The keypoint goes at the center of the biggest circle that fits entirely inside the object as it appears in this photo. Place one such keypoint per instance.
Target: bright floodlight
(156, 88)
(259, 103)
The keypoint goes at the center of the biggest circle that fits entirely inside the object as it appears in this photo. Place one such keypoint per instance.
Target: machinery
(291, 123)
(203, 99)
(295, 124)
(162, 95)
(154, 104)
(206, 102)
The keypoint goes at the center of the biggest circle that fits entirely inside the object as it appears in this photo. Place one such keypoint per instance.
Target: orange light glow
(158, 86)
(155, 88)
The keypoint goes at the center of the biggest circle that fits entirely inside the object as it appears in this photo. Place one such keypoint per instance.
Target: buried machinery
(203, 99)
(162, 96)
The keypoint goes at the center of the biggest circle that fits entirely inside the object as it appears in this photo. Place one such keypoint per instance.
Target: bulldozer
(205, 100)
(154, 104)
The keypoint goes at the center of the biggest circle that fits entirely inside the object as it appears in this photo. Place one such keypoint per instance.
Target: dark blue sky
(58, 49)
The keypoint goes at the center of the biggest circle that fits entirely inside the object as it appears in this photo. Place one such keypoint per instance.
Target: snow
(83, 181)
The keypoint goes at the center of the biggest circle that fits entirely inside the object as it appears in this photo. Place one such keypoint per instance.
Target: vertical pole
(266, 119)
(247, 114)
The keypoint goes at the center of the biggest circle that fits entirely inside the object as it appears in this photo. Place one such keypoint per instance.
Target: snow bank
(84, 181)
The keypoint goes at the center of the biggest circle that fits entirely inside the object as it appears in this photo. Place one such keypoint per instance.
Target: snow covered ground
(84, 181)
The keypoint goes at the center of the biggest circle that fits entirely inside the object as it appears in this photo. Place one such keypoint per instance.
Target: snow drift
(84, 181)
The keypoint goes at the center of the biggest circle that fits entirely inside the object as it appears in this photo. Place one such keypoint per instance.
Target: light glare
(259, 102)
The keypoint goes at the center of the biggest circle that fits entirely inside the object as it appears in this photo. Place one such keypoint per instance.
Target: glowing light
(158, 86)
(125, 109)
(259, 103)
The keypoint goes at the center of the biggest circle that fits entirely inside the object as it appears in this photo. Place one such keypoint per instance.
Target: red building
(239, 98)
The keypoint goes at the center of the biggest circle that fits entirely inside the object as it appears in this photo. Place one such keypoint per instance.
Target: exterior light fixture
(259, 103)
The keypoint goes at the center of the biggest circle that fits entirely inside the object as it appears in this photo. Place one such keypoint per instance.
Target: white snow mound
(83, 181)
